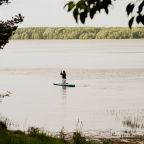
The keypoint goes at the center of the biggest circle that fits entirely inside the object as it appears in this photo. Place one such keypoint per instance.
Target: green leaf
(83, 16)
(92, 12)
(91, 1)
(106, 10)
(71, 5)
(81, 5)
(138, 19)
(109, 2)
(131, 22)
(140, 8)
(129, 8)
(75, 14)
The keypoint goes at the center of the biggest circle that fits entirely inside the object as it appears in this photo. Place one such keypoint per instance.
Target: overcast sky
(52, 13)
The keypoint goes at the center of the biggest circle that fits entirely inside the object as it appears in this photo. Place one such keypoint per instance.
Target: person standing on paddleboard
(63, 74)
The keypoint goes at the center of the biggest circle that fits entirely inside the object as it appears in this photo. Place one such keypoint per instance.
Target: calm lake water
(109, 79)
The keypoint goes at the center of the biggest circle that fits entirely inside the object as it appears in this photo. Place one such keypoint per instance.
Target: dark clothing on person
(63, 74)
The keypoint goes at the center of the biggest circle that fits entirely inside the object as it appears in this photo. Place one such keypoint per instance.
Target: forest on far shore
(78, 33)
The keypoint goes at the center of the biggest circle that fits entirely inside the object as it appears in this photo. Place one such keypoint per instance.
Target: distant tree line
(78, 33)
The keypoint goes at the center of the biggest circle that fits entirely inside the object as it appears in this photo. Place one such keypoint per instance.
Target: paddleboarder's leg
(63, 81)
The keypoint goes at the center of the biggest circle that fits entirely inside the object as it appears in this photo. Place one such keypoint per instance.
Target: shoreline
(35, 135)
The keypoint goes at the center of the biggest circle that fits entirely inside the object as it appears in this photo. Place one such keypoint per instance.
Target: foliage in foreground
(82, 9)
(78, 33)
(19, 137)
(38, 136)
(7, 28)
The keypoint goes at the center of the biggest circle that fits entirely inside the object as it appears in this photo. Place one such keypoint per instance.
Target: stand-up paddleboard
(66, 85)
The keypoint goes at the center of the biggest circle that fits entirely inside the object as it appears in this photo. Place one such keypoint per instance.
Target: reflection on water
(64, 88)
(134, 123)
(64, 94)
(132, 120)
(109, 75)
